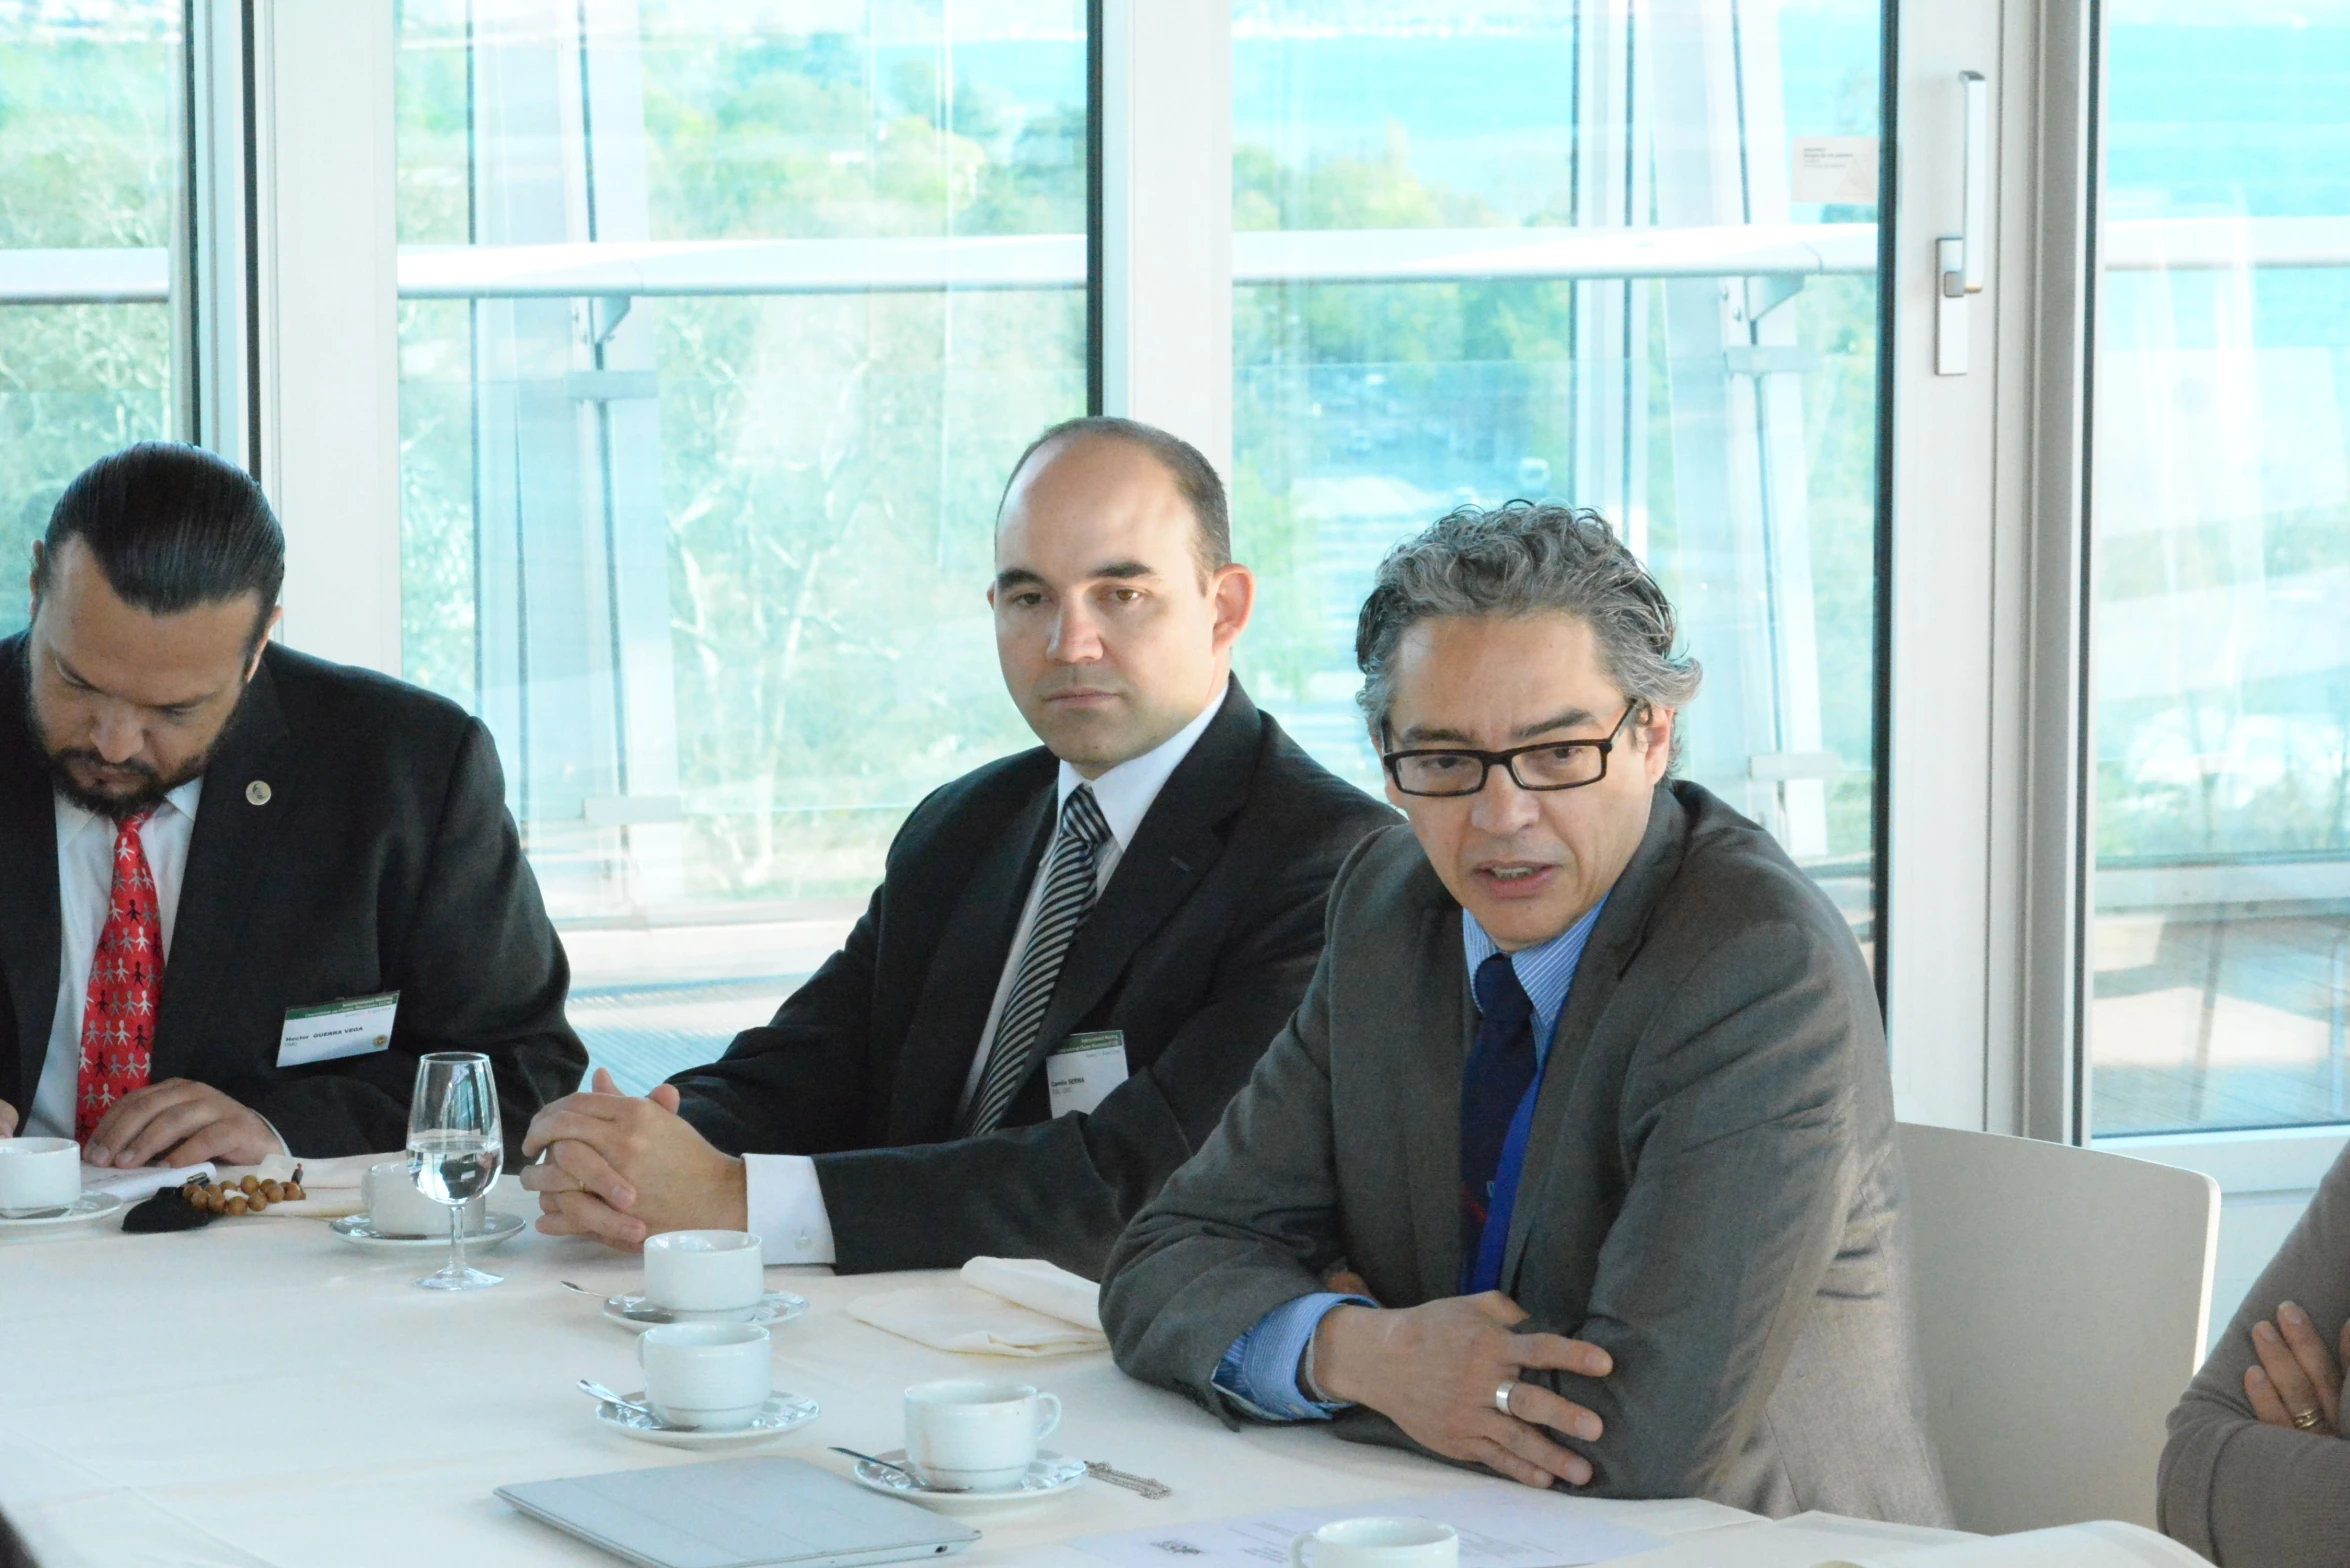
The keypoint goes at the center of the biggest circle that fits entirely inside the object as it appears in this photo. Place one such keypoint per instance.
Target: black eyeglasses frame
(1392, 762)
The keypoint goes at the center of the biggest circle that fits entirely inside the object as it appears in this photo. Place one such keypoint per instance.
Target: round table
(260, 1392)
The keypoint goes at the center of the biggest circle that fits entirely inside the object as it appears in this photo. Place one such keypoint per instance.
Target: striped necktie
(1068, 894)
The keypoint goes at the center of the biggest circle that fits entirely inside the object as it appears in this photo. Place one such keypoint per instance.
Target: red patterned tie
(126, 980)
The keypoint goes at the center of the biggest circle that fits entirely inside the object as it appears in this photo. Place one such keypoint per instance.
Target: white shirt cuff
(786, 1206)
(282, 1146)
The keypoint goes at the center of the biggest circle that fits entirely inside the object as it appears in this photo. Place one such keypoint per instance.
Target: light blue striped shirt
(1260, 1371)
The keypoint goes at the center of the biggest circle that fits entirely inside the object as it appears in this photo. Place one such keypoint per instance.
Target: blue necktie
(1500, 1070)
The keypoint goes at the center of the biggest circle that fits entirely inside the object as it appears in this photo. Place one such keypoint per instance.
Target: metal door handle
(1962, 260)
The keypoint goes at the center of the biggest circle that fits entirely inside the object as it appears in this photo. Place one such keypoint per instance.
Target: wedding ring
(2307, 1420)
(1501, 1397)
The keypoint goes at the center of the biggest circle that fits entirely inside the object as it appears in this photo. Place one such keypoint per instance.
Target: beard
(148, 785)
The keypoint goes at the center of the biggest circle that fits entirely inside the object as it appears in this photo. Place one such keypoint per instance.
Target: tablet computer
(739, 1513)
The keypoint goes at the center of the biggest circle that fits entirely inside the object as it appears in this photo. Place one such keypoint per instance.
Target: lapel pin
(258, 792)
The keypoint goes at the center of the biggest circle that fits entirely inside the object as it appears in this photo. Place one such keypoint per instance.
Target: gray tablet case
(739, 1513)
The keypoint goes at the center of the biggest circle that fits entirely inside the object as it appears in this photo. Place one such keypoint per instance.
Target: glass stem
(456, 1238)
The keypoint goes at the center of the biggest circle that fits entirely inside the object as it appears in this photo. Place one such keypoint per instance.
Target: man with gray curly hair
(1657, 1252)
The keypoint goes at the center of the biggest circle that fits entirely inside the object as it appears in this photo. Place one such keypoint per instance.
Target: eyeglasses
(1547, 764)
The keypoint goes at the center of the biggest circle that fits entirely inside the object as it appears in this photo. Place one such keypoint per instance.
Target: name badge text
(354, 1026)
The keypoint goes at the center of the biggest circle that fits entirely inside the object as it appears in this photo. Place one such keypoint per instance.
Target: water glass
(455, 1149)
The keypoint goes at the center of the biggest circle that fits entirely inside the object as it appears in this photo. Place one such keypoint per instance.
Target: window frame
(1983, 605)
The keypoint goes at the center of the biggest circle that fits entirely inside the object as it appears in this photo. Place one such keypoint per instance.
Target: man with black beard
(241, 890)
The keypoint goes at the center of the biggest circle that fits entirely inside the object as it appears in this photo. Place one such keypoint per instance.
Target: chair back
(2063, 1296)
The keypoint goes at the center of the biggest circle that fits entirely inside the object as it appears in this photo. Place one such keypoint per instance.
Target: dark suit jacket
(1711, 1191)
(1198, 949)
(383, 860)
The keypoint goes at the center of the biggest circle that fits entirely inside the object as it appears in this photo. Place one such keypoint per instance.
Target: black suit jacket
(382, 860)
(1198, 950)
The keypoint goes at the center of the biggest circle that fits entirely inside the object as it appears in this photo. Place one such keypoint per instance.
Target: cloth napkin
(1004, 1307)
(330, 1188)
(325, 1200)
(1040, 1287)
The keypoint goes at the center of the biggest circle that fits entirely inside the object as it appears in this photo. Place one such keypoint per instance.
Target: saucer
(639, 1313)
(355, 1229)
(89, 1206)
(1050, 1474)
(779, 1415)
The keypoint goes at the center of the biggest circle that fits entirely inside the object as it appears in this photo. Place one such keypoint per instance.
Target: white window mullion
(327, 325)
(1941, 594)
(1166, 128)
(2040, 634)
(215, 233)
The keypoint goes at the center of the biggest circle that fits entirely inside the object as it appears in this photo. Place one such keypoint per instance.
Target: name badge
(1083, 1069)
(354, 1026)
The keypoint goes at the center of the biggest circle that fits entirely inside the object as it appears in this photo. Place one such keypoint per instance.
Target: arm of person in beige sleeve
(2244, 1491)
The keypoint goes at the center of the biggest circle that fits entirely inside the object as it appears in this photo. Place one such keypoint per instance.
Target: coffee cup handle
(1049, 1415)
(1297, 1550)
(640, 1352)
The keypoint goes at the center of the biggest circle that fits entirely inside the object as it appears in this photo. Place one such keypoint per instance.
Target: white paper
(1498, 1529)
(2102, 1543)
(142, 1181)
(1083, 1069)
(1837, 170)
(356, 1026)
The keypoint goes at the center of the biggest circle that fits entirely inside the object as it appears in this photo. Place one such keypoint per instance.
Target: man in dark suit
(241, 890)
(1588, 1096)
(1075, 956)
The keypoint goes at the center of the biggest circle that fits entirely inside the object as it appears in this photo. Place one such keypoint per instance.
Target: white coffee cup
(1378, 1543)
(713, 1377)
(38, 1176)
(396, 1208)
(722, 1273)
(965, 1435)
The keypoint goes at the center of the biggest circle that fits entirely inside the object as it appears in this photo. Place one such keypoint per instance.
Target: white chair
(2063, 1297)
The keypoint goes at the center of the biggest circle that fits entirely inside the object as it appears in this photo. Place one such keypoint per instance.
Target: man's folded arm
(1063, 1189)
(479, 969)
(1267, 1372)
(1738, 1116)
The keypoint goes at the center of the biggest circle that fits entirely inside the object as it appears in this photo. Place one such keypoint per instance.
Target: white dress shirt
(786, 1202)
(85, 895)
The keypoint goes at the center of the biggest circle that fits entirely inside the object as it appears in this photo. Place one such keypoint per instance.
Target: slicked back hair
(1525, 558)
(172, 527)
(1194, 476)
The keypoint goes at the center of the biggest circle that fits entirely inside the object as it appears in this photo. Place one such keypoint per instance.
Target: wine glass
(455, 1148)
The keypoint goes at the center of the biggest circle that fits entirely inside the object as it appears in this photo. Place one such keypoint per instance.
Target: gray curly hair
(1519, 559)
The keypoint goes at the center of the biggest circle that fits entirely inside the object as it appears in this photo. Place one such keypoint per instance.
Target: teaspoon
(595, 1390)
(884, 1464)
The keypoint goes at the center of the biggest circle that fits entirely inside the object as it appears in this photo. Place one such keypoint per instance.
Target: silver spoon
(595, 1390)
(884, 1464)
(583, 1290)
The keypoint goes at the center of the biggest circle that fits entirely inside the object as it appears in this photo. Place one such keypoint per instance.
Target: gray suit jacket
(1712, 1191)
(2246, 1494)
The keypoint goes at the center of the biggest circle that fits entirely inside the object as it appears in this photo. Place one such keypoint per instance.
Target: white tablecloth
(259, 1392)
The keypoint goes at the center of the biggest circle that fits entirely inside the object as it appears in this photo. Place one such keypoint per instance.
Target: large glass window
(93, 176)
(2221, 570)
(721, 324)
(1621, 257)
